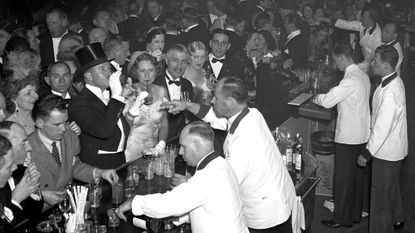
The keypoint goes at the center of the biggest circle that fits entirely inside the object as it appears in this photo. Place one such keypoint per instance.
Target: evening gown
(145, 129)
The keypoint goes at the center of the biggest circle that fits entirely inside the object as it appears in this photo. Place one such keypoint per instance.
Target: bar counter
(304, 182)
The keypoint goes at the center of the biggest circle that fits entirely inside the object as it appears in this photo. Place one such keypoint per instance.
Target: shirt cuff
(119, 98)
(204, 109)
(17, 204)
(136, 206)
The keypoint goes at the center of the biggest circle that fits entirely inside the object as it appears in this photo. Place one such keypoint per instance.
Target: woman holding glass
(149, 127)
(196, 74)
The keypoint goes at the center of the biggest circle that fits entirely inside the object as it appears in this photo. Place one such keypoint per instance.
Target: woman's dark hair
(11, 87)
(268, 38)
(152, 33)
(136, 62)
(16, 44)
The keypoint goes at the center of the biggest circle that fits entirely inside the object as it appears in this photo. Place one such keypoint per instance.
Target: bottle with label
(289, 150)
(299, 163)
(280, 144)
(129, 185)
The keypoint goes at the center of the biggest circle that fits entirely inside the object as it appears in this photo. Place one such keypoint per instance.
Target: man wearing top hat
(97, 110)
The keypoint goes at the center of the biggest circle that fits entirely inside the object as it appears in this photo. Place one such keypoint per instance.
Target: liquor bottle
(180, 165)
(149, 99)
(280, 144)
(129, 183)
(289, 150)
(299, 163)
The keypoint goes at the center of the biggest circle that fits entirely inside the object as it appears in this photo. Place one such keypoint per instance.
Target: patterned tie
(55, 153)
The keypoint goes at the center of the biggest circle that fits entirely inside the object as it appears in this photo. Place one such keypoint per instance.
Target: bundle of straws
(77, 196)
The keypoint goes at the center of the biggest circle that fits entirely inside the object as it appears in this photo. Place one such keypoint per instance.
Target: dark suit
(85, 36)
(230, 67)
(176, 122)
(31, 207)
(296, 49)
(131, 27)
(53, 177)
(46, 48)
(99, 128)
(198, 33)
(149, 22)
(170, 40)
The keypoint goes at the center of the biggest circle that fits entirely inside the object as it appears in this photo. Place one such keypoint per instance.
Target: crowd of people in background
(88, 78)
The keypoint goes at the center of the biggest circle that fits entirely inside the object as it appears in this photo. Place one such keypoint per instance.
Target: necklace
(25, 122)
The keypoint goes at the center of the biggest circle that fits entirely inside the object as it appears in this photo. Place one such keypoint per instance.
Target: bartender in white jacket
(211, 196)
(390, 34)
(267, 191)
(370, 34)
(388, 141)
(352, 132)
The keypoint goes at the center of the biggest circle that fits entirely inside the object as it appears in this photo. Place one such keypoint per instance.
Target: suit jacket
(131, 27)
(231, 67)
(198, 33)
(149, 22)
(53, 177)
(46, 48)
(85, 36)
(296, 49)
(178, 121)
(31, 207)
(99, 128)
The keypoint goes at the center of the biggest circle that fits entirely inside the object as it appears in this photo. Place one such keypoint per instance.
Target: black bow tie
(214, 60)
(177, 83)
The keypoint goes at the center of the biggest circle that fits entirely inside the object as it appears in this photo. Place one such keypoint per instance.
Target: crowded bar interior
(207, 116)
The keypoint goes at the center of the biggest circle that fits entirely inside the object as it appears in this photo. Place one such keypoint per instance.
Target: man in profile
(211, 196)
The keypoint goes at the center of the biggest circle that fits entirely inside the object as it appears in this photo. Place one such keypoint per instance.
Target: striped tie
(55, 153)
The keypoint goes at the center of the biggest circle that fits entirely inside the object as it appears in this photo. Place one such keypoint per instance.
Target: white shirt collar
(294, 34)
(260, 7)
(103, 96)
(190, 27)
(213, 56)
(172, 33)
(230, 29)
(116, 65)
(47, 141)
(67, 96)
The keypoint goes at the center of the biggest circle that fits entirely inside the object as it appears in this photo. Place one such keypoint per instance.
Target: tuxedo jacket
(98, 123)
(178, 121)
(46, 48)
(231, 67)
(198, 33)
(31, 207)
(53, 177)
(296, 49)
(149, 22)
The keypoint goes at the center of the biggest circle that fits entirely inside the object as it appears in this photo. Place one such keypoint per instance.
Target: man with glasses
(59, 79)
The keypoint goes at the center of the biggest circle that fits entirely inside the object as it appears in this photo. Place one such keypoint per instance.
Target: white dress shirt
(66, 97)
(55, 42)
(211, 197)
(352, 99)
(104, 97)
(217, 66)
(267, 191)
(174, 90)
(389, 133)
(398, 48)
(369, 40)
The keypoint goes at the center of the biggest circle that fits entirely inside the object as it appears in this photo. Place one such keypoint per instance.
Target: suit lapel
(225, 69)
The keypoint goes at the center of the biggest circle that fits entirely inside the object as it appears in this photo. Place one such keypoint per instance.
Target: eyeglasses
(65, 76)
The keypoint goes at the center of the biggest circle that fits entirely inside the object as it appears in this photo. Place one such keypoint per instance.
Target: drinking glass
(118, 192)
(64, 205)
(113, 220)
(100, 229)
(94, 196)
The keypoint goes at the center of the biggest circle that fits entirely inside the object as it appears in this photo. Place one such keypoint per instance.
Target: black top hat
(90, 56)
